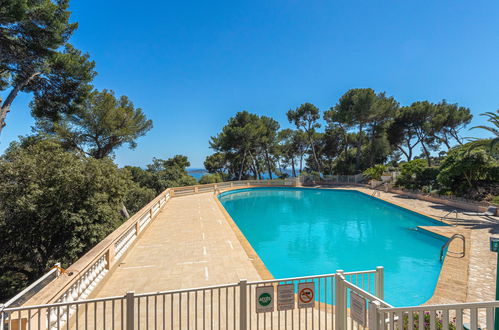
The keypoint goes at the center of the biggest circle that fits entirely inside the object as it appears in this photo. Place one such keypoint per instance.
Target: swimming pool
(301, 231)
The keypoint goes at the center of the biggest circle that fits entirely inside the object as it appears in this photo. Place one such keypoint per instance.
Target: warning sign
(306, 294)
(285, 297)
(358, 308)
(264, 299)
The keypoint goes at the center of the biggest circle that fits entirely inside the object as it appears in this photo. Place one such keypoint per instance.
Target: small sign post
(494, 247)
(285, 297)
(306, 294)
(264, 299)
(358, 308)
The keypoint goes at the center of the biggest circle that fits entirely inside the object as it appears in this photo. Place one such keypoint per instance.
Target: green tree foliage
(368, 114)
(428, 125)
(215, 163)
(162, 174)
(292, 147)
(490, 144)
(248, 144)
(101, 125)
(137, 197)
(35, 57)
(267, 140)
(463, 170)
(402, 133)
(54, 206)
(210, 178)
(448, 120)
(305, 118)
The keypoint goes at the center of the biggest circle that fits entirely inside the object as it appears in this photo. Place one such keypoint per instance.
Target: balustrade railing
(81, 278)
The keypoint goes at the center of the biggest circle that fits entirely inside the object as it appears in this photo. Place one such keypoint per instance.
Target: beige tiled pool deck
(194, 243)
(190, 244)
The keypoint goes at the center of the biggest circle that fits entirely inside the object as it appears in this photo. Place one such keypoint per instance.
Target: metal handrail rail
(448, 243)
(445, 216)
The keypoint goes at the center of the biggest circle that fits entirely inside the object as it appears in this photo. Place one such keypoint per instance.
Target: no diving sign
(264, 299)
(306, 294)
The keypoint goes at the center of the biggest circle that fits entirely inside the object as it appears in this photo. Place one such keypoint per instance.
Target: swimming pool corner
(255, 259)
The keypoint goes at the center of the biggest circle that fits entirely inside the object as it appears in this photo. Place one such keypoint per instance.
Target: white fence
(341, 301)
(231, 306)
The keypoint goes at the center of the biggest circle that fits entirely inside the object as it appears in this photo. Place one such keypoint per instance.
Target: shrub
(416, 174)
(462, 170)
(375, 172)
(438, 322)
(210, 178)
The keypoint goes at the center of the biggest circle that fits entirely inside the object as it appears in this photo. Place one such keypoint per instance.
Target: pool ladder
(376, 193)
(450, 213)
(461, 254)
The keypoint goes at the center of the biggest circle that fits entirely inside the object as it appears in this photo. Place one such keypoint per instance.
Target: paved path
(190, 244)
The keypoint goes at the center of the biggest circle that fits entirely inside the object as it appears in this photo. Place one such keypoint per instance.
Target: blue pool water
(298, 232)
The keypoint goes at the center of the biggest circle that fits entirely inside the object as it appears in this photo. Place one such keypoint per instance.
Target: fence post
(2, 318)
(242, 304)
(379, 284)
(341, 302)
(130, 301)
(373, 313)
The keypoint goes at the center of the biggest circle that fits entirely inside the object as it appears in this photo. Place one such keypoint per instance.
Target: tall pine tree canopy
(36, 57)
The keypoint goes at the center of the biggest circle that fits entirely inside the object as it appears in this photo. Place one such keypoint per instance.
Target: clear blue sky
(190, 65)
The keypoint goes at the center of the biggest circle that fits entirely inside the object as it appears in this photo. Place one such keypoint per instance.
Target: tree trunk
(255, 165)
(5, 107)
(293, 166)
(124, 211)
(427, 154)
(242, 164)
(359, 145)
(456, 137)
(268, 163)
(406, 153)
(315, 156)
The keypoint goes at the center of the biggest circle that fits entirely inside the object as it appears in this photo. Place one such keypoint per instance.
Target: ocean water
(198, 173)
(299, 232)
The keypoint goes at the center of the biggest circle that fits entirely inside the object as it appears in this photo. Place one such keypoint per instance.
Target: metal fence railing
(477, 315)
(230, 306)
(339, 301)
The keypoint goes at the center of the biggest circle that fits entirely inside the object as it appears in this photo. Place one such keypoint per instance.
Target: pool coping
(444, 291)
(255, 259)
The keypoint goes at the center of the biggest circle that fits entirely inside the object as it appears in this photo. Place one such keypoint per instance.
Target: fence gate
(309, 302)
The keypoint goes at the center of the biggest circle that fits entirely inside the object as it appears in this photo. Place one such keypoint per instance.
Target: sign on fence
(264, 299)
(358, 308)
(306, 294)
(285, 297)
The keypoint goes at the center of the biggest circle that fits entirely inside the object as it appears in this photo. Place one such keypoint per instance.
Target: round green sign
(265, 299)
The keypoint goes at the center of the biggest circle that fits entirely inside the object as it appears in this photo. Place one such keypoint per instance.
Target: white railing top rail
(366, 294)
(426, 308)
(61, 304)
(204, 288)
(360, 272)
(54, 289)
(274, 280)
(25, 294)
